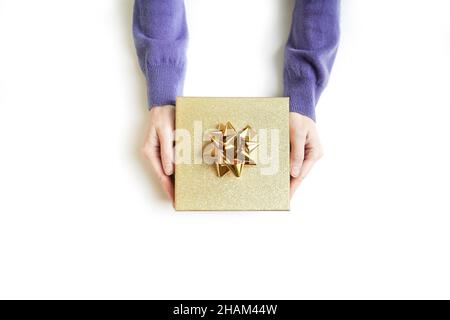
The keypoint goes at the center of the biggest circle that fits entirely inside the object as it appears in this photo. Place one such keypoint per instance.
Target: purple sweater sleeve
(160, 32)
(310, 53)
(160, 36)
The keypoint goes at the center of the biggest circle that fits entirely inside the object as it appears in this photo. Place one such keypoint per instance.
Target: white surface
(80, 216)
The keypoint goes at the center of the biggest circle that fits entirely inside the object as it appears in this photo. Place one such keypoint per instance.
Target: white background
(80, 214)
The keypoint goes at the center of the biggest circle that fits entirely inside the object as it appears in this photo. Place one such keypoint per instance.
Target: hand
(159, 148)
(305, 147)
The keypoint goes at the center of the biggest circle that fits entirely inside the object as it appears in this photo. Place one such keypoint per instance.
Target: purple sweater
(160, 33)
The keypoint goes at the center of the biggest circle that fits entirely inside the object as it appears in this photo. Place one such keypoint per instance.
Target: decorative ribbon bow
(231, 150)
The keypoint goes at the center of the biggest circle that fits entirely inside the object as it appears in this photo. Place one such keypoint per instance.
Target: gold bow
(231, 150)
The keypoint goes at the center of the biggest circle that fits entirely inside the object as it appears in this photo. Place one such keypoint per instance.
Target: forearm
(310, 52)
(160, 34)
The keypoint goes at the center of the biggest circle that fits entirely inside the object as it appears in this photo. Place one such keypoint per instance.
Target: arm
(160, 34)
(310, 52)
(309, 57)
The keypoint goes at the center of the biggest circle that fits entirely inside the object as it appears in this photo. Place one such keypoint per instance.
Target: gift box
(232, 154)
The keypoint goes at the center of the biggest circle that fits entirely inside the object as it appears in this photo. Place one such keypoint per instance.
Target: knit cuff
(164, 84)
(302, 96)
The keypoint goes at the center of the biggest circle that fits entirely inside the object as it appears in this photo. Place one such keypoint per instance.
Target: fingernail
(168, 168)
(295, 171)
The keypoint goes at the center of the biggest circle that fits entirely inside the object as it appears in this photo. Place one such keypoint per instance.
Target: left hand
(158, 147)
(305, 147)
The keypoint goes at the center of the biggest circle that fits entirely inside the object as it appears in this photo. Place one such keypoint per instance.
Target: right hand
(159, 145)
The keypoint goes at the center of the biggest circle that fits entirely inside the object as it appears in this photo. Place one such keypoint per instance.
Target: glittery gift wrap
(261, 186)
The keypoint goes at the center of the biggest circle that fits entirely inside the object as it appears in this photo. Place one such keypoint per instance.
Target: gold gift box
(255, 178)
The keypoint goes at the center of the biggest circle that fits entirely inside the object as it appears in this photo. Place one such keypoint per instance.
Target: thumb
(297, 154)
